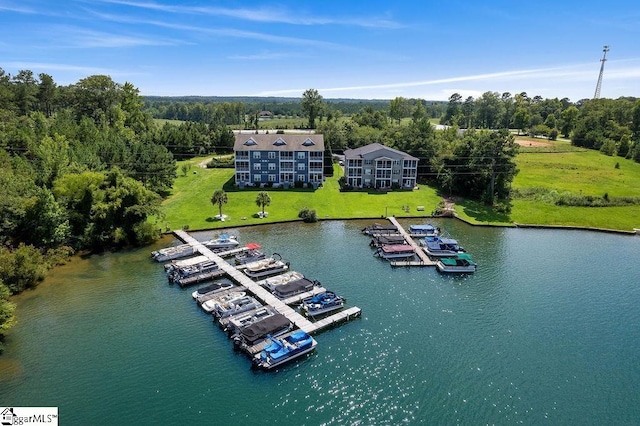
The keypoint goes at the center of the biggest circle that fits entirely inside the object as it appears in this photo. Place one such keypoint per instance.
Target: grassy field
(190, 205)
(557, 168)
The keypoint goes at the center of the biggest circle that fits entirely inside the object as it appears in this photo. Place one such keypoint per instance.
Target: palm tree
(263, 200)
(219, 197)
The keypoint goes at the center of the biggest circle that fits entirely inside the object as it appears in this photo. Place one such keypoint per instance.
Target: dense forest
(85, 166)
(237, 111)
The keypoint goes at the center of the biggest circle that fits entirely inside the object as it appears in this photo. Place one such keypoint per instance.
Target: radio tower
(605, 49)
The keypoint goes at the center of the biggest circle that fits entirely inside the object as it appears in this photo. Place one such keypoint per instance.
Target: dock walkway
(424, 259)
(262, 294)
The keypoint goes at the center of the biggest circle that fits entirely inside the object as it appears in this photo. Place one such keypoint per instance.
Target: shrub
(308, 215)
(298, 184)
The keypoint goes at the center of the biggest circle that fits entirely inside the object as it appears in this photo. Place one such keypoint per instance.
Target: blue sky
(350, 49)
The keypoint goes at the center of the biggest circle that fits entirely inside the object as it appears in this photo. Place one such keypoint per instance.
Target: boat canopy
(449, 241)
(465, 256)
(253, 246)
(294, 287)
(426, 227)
(397, 248)
(260, 330)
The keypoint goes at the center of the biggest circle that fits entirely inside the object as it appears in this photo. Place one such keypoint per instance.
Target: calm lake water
(546, 332)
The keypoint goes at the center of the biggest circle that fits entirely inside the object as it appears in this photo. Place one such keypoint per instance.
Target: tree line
(609, 125)
(82, 167)
(241, 112)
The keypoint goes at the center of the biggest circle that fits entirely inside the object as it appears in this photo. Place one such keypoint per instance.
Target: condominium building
(278, 159)
(378, 166)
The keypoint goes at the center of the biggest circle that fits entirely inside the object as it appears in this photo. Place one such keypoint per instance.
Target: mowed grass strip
(190, 201)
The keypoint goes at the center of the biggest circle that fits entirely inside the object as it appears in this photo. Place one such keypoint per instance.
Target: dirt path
(203, 163)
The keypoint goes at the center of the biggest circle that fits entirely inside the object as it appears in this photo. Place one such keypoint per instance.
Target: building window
(368, 162)
(257, 178)
(257, 166)
(256, 155)
(301, 155)
(272, 178)
(301, 178)
(272, 155)
(272, 166)
(301, 166)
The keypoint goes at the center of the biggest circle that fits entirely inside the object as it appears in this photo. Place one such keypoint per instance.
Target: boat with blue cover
(461, 263)
(423, 230)
(285, 349)
(322, 303)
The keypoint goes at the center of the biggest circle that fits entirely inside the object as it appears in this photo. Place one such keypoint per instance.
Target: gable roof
(374, 147)
(278, 142)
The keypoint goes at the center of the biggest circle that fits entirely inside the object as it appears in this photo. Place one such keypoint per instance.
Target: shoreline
(636, 231)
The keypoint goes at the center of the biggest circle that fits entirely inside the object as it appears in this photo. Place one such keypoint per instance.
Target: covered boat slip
(424, 259)
(263, 295)
(382, 240)
(380, 229)
(303, 285)
(258, 331)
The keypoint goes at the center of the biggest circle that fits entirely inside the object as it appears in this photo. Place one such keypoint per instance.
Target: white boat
(284, 349)
(266, 267)
(272, 282)
(395, 251)
(461, 263)
(234, 307)
(183, 272)
(211, 289)
(223, 241)
(170, 253)
(210, 304)
(175, 264)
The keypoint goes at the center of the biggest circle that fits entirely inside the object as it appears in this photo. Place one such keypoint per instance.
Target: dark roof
(372, 147)
(293, 287)
(278, 142)
(260, 329)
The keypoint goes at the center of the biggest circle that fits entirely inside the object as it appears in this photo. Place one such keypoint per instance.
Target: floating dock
(264, 296)
(424, 259)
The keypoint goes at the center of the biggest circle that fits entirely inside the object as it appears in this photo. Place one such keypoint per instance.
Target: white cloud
(536, 77)
(270, 14)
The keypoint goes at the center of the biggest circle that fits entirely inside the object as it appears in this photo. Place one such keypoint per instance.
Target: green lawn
(584, 172)
(561, 169)
(587, 172)
(190, 205)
